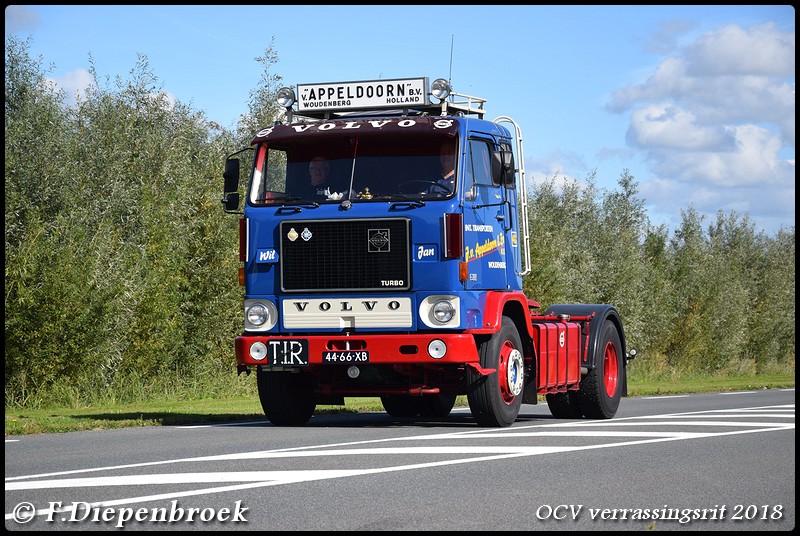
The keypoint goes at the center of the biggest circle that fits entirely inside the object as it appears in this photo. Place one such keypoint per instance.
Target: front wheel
(495, 400)
(401, 405)
(601, 389)
(436, 406)
(286, 398)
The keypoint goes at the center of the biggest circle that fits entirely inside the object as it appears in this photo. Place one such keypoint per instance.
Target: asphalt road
(723, 461)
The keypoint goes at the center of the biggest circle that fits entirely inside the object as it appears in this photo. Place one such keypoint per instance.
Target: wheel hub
(514, 372)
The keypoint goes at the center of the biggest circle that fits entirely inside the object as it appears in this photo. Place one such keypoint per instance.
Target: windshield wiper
(400, 200)
(285, 200)
(409, 203)
(297, 204)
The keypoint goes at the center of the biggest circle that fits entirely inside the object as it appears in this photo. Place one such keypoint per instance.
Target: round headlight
(260, 315)
(437, 349)
(258, 351)
(257, 314)
(285, 97)
(440, 89)
(443, 311)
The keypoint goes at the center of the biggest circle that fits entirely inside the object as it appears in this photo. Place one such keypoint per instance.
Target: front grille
(345, 255)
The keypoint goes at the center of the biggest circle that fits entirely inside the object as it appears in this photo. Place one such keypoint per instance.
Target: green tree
(649, 327)
(262, 108)
(35, 209)
(771, 311)
(129, 278)
(620, 267)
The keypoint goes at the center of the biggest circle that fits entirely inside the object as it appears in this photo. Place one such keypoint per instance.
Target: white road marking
(256, 479)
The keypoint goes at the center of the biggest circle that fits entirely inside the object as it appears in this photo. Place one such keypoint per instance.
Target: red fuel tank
(558, 348)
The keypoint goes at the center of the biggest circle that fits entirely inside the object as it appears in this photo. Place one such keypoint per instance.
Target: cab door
(485, 219)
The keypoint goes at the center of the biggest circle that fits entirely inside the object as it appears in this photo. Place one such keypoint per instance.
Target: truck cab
(391, 277)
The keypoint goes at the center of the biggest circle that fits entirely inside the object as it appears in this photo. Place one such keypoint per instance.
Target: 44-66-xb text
(346, 357)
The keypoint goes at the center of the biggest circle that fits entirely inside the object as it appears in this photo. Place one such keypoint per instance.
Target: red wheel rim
(610, 369)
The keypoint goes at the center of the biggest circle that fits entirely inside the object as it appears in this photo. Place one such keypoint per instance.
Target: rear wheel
(564, 405)
(436, 405)
(286, 398)
(401, 405)
(495, 399)
(601, 389)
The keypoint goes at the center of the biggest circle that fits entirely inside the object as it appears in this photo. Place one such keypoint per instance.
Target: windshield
(373, 167)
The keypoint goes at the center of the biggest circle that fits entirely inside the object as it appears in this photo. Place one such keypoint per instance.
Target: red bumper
(382, 349)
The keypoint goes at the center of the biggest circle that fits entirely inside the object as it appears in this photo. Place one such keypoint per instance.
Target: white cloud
(731, 50)
(715, 123)
(666, 37)
(74, 83)
(20, 18)
(553, 166)
(668, 126)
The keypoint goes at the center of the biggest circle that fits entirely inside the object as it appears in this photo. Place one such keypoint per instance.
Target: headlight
(437, 349)
(443, 311)
(259, 315)
(285, 97)
(440, 311)
(440, 89)
(258, 351)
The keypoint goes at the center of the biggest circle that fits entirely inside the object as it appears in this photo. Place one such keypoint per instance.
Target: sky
(697, 103)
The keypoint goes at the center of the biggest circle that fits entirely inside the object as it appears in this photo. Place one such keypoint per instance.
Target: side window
(276, 171)
(478, 185)
(479, 164)
(269, 175)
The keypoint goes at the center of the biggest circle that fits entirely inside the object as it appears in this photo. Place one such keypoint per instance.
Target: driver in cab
(445, 183)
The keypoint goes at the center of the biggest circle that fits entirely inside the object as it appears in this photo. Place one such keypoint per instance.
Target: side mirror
(230, 201)
(472, 193)
(503, 168)
(231, 175)
(230, 194)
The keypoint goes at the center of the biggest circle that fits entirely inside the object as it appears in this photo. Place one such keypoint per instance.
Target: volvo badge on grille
(378, 240)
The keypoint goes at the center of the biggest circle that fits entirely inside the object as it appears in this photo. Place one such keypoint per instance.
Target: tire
(495, 399)
(401, 405)
(437, 406)
(564, 405)
(286, 398)
(601, 389)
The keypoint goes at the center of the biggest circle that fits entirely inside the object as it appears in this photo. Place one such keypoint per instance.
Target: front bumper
(381, 349)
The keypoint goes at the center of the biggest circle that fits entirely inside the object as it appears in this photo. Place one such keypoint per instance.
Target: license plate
(288, 352)
(346, 356)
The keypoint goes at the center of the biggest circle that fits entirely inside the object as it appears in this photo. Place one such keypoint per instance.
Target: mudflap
(529, 395)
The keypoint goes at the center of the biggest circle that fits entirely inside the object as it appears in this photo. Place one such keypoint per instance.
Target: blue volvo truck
(401, 276)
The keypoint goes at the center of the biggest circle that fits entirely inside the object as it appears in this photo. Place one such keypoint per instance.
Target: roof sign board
(367, 94)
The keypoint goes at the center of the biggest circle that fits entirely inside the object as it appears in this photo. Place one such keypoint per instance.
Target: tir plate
(287, 352)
